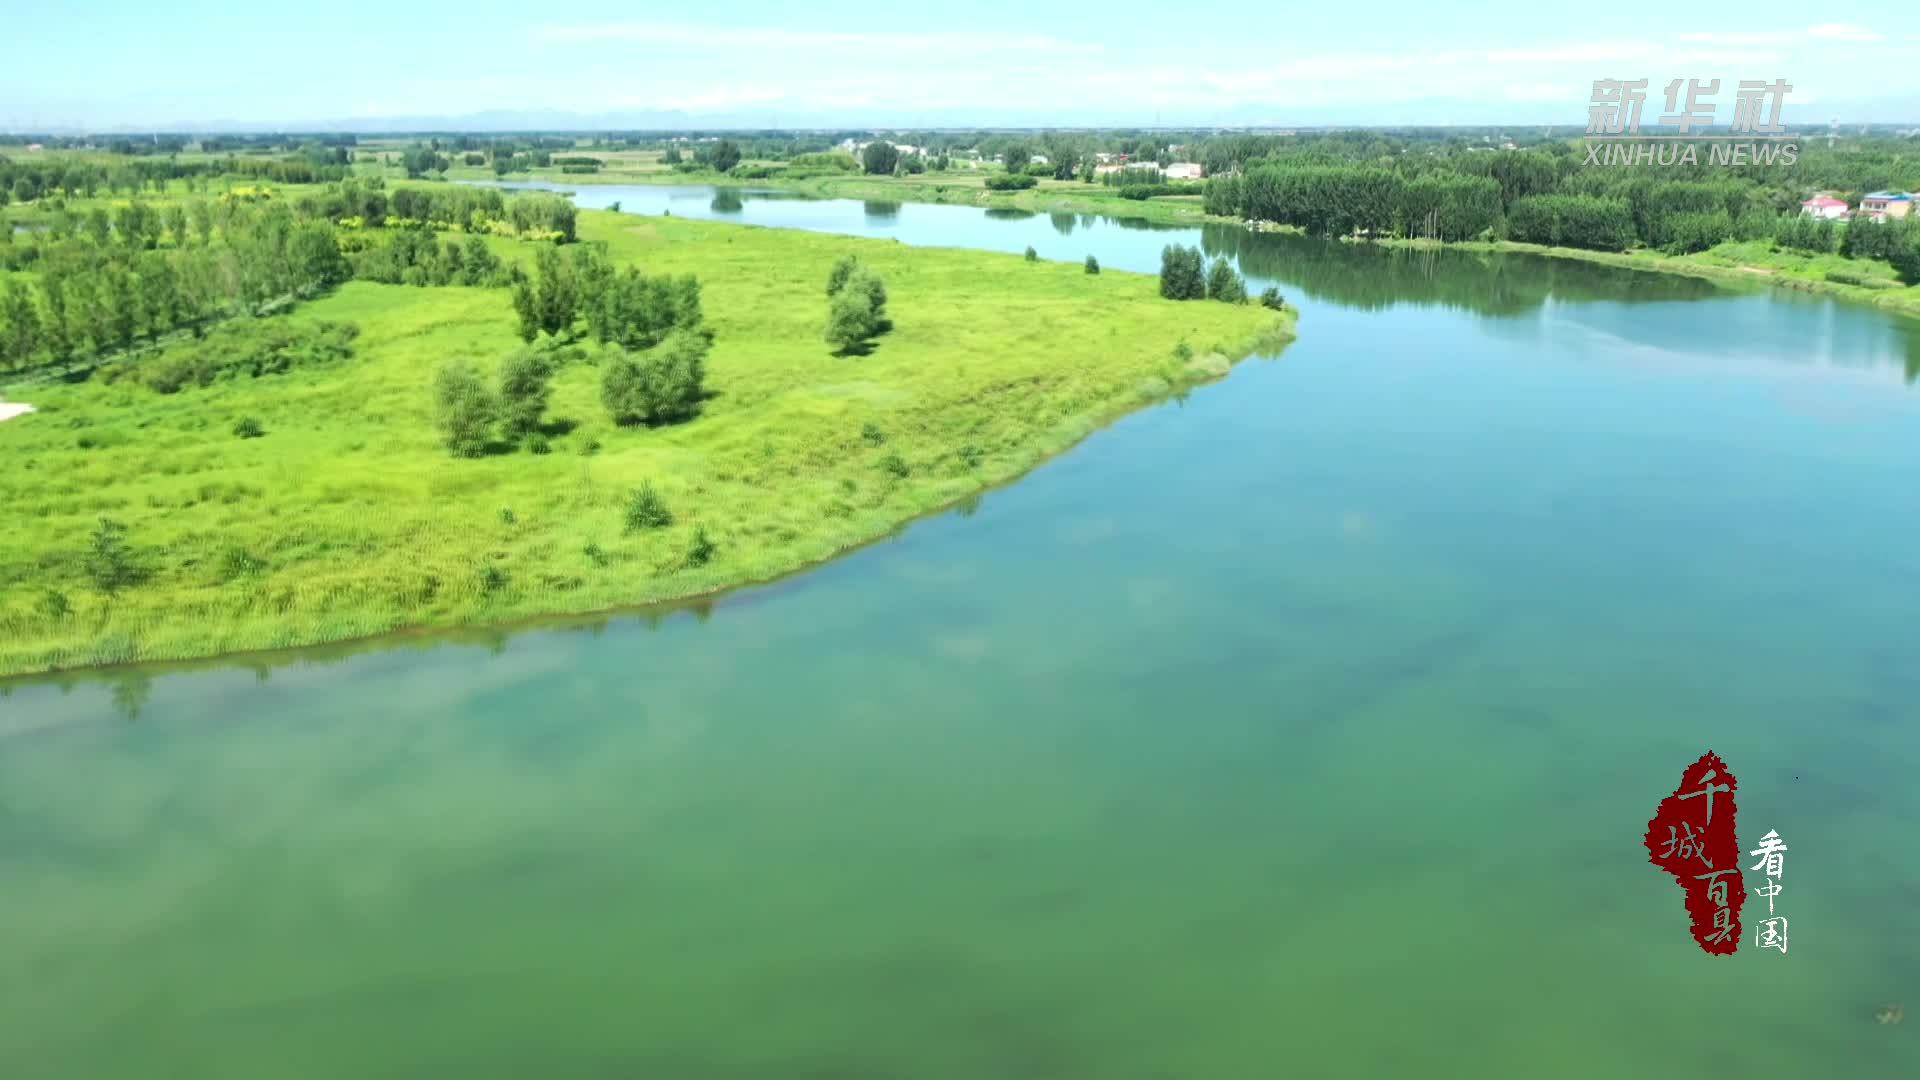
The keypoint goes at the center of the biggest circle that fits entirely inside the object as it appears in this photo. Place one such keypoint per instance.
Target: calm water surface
(1306, 727)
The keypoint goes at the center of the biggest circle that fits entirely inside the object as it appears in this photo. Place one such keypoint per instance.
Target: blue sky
(196, 63)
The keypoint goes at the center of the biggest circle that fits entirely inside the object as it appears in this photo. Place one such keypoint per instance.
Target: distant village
(1878, 206)
(1104, 163)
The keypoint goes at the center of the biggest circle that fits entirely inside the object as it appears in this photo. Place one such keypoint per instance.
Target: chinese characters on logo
(1757, 135)
(1692, 837)
(1771, 932)
(1617, 103)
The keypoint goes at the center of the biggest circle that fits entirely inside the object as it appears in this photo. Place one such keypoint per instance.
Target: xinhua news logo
(1756, 136)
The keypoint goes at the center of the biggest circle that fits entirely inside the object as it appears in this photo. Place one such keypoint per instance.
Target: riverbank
(1859, 280)
(347, 519)
(1869, 281)
(954, 188)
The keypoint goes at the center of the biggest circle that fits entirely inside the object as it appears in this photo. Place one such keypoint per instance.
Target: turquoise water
(1304, 727)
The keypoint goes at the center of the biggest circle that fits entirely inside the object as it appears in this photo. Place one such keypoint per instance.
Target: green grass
(347, 518)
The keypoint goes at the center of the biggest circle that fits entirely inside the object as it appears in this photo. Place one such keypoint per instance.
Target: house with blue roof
(1883, 205)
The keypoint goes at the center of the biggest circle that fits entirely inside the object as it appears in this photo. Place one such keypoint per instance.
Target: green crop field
(348, 517)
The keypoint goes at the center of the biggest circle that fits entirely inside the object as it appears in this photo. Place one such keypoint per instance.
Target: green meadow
(345, 516)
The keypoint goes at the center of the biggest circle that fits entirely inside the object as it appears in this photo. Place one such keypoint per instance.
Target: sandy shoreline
(11, 409)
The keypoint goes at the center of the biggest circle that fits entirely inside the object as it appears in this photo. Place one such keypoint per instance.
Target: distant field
(348, 518)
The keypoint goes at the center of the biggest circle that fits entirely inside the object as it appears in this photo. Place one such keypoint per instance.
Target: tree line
(105, 283)
(1548, 195)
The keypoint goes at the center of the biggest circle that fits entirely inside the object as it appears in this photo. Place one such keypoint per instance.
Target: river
(1306, 726)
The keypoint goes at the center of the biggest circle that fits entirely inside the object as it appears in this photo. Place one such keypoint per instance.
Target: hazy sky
(201, 62)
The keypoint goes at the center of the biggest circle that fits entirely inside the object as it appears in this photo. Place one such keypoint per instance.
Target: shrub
(238, 562)
(1010, 182)
(647, 510)
(593, 553)
(1093, 265)
(1183, 352)
(493, 579)
(252, 348)
(248, 428)
(1225, 284)
(1032, 255)
(871, 434)
(700, 552)
(660, 386)
(971, 456)
(110, 561)
(539, 445)
(465, 409)
(896, 465)
(1270, 297)
(54, 604)
(508, 517)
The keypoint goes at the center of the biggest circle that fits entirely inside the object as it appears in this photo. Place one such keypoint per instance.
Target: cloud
(1821, 32)
(1544, 92)
(694, 36)
(1843, 32)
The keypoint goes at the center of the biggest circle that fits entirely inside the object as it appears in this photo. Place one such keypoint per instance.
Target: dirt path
(11, 409)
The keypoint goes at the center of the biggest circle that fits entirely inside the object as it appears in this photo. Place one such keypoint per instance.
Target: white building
(1183, 170)
(1823, 206)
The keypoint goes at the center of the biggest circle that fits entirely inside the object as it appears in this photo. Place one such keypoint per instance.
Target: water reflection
(1371, 277)
(1063, 223)
(880, 211)
(726, 201)
(1009, 213)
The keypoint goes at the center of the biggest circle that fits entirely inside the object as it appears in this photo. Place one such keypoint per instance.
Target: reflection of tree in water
(1370, 276)
(1063, 223)
(725, 201)
(879, 209)
(130, 693)
(1008, 213)
(1913, 354)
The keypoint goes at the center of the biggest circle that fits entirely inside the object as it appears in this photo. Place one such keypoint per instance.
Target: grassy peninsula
(321, 504)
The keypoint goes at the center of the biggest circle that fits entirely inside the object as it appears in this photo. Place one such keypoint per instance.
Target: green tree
(1093, 265)
(850, 319)
(879, 158)
(466, 411)
(662, 385)
(19, 325)
(99, 226)
(177, 225)
(1224, 283)
(202, 214)
(527, 308)
(557, 292)
(1182, 273)
(842, 270)
(1017, 156)
(725, 156)
(315, 258)
(524, 391)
